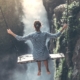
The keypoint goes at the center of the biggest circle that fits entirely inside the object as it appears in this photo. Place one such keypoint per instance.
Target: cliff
(70, 40)
(9, 47)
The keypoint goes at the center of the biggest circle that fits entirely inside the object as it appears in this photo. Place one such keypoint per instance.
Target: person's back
(40, 51)
(38, 39)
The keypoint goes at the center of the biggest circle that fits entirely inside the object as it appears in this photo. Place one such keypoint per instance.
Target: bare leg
(46, 65)
(39, 67)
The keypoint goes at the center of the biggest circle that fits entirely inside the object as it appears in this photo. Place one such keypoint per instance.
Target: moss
(59, 69)
(70, 73)
(72, 34)
(68, 39)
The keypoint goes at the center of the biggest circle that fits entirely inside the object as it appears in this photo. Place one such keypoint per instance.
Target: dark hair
(37, 25)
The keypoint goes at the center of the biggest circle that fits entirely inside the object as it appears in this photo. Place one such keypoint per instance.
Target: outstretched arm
(19, 38)
(50, 35)
(11, 33)
(64, 27)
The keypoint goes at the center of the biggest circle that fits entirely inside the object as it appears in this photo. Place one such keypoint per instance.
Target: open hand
(9, 31)
(65, 26)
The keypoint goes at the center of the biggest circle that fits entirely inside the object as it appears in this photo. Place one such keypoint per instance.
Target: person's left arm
(51, 35)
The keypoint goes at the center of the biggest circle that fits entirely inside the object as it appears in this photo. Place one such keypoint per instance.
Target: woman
(38, 39)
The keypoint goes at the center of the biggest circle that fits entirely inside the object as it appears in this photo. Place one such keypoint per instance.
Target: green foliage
(70, 73)
(72, 34)
(73, 31)
(69, 38)
(59, 69)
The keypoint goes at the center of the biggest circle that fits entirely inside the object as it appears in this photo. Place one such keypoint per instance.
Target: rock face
(50, 5)
(9, 46)
(76, 61)
(72, 60)
(12, 16)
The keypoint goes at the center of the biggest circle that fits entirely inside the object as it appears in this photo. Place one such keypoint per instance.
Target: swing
(29, 57)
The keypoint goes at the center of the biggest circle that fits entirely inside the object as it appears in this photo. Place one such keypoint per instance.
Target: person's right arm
(11, 33)
(19, 38)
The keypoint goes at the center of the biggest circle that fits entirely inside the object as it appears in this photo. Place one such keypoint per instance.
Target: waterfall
(34, 10)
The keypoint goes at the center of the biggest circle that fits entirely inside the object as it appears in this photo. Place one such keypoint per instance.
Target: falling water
(34, 10)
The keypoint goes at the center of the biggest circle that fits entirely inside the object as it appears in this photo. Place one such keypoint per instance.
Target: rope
(67, 20)
(8, 28)
(4, 17)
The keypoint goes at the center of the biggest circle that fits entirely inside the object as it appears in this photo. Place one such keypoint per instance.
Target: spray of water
(34, 10)
(31, 73)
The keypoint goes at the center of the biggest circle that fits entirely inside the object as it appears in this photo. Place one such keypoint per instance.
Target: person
(38, 39)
